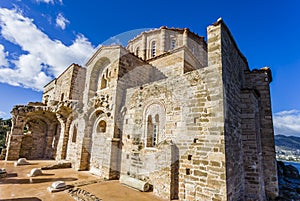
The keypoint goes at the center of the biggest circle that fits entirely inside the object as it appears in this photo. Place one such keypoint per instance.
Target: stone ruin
(184, 114)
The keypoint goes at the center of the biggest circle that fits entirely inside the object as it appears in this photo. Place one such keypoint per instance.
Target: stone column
(144, 47)
(185, 37)
(163, 40)
(63, 137)
(15, 138)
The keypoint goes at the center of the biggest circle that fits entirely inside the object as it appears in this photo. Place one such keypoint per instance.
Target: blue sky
(40, 38)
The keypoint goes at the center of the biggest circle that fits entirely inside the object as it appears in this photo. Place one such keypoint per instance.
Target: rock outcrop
(289, 182)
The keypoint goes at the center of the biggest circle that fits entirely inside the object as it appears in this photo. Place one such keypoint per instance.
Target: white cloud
(49, 1)
(287, 122)
(45, 1)
(2, 114)
(42, 54)
(3, 55)
(61, 21)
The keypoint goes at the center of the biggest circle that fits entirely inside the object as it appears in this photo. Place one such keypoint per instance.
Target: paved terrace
(17, 186)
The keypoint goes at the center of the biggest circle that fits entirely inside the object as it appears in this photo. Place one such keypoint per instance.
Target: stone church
(184, 114)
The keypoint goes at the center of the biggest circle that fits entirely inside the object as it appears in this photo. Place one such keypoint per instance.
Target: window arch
(137, 50)
(154, 125)
(101, 128)
(173, 44)
(153, 49)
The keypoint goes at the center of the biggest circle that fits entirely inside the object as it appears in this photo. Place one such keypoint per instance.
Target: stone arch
(100, 145)
(34, 141)
(88, 135)
(154, 120)
(44, 127)
(72, 139)
(73, 132)
(96, 74)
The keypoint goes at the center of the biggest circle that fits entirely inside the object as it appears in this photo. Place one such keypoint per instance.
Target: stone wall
(190, 114)
(68, 86)
(260, 80)
(32, 134)
(233, 66)
(251, 144)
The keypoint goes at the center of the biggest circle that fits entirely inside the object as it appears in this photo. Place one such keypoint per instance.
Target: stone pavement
(17, 186)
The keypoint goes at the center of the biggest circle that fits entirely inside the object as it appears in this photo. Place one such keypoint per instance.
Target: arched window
(101, 128)
(74, 136)
(173, 44)
(154, 122)
(137, 50)
(153, 49)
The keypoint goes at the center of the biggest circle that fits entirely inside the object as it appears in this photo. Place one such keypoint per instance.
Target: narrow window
(103, 83)
(74, 136)
(193, 49)
(62, 97)
(155, 130)
(101, 127)
(149, 131)
(173, 44)
(153, 49)
(137, 51)
(188, 171)
(154, 135)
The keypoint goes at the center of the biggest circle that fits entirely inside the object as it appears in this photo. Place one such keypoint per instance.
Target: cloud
(44, 58)
(4, 115)
(61, 21)
(45, 1)
(3, 55)
(287, 122)
(49, 1)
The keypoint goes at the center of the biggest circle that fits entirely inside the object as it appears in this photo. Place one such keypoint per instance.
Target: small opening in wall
(126, 121)
(195, 140)
(140, 105)
(188, 171)
(195, 120)
(128, 136)
(127, 156)
(141, 88)
(189, 157)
